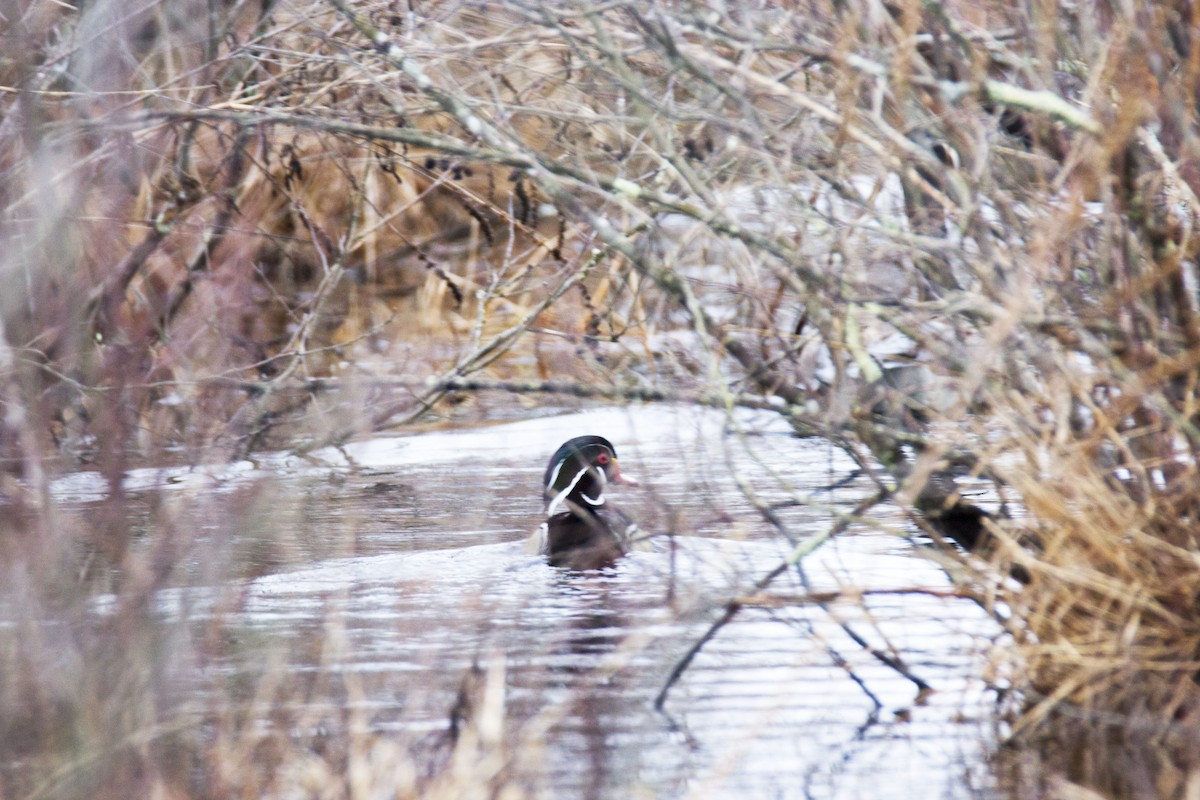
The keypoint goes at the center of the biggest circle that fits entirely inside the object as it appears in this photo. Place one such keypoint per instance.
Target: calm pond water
(404, 567)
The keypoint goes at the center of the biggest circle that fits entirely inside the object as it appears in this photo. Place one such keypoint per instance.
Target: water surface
(406, 579)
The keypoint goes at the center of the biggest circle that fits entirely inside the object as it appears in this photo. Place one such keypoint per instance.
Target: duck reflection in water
(588, 664)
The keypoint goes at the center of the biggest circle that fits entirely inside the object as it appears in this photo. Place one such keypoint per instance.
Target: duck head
(578, 473)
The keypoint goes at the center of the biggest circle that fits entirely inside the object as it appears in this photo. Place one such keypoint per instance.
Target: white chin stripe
(553, 507)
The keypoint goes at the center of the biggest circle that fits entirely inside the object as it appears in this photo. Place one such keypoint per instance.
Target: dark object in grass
(966, 525)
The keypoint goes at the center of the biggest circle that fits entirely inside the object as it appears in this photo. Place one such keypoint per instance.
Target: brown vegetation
(228, 226)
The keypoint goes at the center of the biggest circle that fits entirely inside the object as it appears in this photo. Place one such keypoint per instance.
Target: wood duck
(580, 531)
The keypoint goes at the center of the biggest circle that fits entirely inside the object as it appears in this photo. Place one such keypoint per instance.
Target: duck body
(581, 531)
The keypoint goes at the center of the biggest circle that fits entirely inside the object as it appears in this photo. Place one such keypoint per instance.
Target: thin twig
(732, 607)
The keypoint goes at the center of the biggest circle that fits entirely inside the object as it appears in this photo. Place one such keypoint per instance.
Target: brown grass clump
(1108, 632)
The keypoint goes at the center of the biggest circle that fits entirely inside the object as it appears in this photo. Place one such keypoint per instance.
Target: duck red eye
(602, 459)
